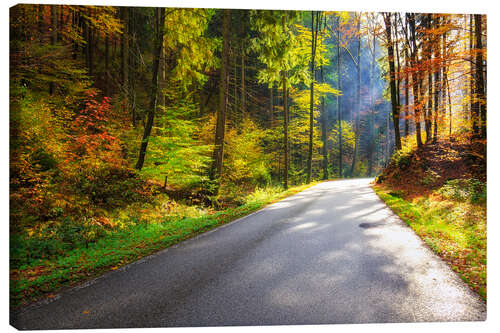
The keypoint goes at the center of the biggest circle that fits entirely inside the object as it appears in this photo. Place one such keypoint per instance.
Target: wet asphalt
(333, 253)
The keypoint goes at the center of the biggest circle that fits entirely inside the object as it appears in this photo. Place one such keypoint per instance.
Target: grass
(158, 229)
(454, 229)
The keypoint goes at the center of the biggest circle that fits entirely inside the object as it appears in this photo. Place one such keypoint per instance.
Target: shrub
(471, 190)
(110, 185)
(402, 158)
(430, 177)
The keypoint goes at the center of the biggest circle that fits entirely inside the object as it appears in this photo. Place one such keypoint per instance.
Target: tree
(314, 42)
(218, 153)
(392, 79)
(158, 44)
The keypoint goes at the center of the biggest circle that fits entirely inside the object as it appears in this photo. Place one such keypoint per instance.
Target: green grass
(455, 230)
(42, 277)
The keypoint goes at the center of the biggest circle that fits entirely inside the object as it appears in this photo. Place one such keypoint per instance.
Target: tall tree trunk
(76, 25)
(90, 45)
(407, 96)
(480, 87)
(392, 70)
(428, 57)
(416, 80)
(339, 99)
(106, 65)
(285, 128)
(285, 118)
(324, 129)
(220, 129)
(41, 9)
(271, 105)
(314, 38)
(158, 45)
(132, 66)
(473, 83)
(437, 81)
(53, 39)
(371, 144)
(243, 89)
(125, 52)
(60, 10)
(358, 99)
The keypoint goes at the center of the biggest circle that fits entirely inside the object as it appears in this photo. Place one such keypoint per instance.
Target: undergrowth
(452, 221)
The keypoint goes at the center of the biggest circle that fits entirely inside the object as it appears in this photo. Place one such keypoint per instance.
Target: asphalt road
(331, 254)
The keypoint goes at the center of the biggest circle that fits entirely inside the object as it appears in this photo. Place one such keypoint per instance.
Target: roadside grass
(453, 227)
(135, 233)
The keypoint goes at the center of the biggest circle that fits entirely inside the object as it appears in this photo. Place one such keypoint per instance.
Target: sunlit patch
(304, 226)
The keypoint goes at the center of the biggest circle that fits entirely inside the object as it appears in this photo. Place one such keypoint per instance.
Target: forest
(134, 128)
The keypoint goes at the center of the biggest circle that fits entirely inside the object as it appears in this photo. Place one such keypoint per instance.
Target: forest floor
(148, 228)
(439, 190)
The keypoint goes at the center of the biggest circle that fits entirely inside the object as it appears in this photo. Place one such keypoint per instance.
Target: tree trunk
(160, 23)
(339, 99)
(428, 57)
(53, 39)
(358, 100)
(314, 38)
(243, 91)
(416, 80)
(106, 65)
(472, 89)
(285, 118)
(271, 106)
(437, 81)
(480, 87)
(125, 53)
(407, 97)
(324, 129)
(394, 98)
(90, 46)
(371, 144)
(220, 129)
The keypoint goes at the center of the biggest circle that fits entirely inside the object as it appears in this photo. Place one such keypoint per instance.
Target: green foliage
(464, 190)
(174, 151)
(348, 137)
(245, 160)
(402, 158)
(186, 38)
(430, 177)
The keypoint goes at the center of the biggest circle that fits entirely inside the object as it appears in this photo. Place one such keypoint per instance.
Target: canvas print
(174, 167)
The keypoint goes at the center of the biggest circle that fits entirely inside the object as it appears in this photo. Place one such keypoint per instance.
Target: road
(331, 254)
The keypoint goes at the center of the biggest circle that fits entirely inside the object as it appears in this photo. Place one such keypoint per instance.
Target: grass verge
(42, 278)
(454, 229)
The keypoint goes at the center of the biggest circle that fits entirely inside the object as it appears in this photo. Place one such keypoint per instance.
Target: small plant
(430, 177)
(464, 190)
(402, 158)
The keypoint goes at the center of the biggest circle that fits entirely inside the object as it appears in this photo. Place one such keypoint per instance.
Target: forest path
(333, 253)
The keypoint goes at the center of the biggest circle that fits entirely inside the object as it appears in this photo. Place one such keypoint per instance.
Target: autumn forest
(132, 129)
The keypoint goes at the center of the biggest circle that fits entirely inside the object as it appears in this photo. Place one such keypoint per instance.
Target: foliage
(402, 158)
(174, 152)
(464, 190)
(185, 36)
(348, 137)
(245, 158)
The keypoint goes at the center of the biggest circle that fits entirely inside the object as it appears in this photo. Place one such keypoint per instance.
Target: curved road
(331, 254)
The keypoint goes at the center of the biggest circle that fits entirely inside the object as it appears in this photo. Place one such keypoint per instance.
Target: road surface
(331, 254)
